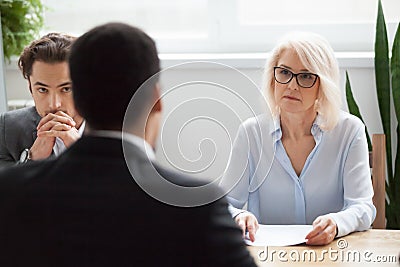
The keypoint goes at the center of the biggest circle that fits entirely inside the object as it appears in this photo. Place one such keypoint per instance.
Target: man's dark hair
(107, 65)
(51, 48)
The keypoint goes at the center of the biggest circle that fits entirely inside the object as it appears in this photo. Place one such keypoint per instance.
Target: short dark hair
(51, 48)
(107, 65)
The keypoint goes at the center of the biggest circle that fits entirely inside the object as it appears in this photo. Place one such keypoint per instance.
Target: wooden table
(372, 248)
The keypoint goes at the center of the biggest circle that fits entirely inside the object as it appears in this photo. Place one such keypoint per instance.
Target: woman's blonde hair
(317, 56)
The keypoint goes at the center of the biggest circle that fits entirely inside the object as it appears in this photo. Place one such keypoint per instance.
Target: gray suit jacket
(17, 132)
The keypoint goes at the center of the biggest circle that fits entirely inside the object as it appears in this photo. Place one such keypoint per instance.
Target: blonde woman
(308, 162)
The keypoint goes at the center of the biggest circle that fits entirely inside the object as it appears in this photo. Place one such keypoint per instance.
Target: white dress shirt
(335, 179)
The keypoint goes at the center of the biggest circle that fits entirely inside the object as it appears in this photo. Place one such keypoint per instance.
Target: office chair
(378, 165)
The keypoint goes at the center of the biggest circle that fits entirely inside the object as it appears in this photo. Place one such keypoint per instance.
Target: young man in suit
(88, 206)
(44, 65)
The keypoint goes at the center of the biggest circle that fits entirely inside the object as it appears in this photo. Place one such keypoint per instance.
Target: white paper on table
(279, 235)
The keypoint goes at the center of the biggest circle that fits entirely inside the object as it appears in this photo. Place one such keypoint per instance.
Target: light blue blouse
(335, 179)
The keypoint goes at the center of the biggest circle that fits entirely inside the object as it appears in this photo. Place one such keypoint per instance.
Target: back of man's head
(107, 65)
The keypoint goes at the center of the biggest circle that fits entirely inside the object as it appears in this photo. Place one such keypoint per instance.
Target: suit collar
(35, 114)
(36, 120)
(106, 147)
(133, 139)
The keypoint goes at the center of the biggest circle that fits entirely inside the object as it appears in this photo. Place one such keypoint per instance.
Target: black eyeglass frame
(295, 75)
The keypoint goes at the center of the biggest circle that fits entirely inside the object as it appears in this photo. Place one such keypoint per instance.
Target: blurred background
(237, 36)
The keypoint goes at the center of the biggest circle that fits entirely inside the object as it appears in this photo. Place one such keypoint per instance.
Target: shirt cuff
(234, 211)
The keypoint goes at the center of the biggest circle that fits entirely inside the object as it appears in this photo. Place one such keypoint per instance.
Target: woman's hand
(323, 232)
(247, 221)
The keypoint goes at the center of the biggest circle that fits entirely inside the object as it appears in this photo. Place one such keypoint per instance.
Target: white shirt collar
(82, 128)
(133, 139)
(276, 130)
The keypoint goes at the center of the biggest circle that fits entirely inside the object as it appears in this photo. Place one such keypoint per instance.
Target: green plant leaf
(395, 71)
(393, 207)
(21, 22)
(393, 221)
(353, 108)
(382, 77)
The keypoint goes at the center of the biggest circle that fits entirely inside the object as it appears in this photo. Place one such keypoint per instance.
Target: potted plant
(387, 76)
(21, 22)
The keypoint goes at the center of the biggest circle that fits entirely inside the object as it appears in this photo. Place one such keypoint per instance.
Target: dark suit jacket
(17, 132)
(84, 209)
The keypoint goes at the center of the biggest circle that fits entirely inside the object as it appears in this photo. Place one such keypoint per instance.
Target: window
(162, 19)
(229, 26)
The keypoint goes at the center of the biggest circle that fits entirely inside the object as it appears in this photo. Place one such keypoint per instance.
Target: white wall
(204, 144)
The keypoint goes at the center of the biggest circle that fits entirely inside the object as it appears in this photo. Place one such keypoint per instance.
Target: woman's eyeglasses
(303, 79)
